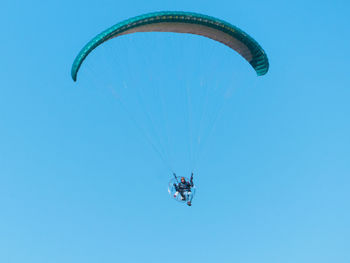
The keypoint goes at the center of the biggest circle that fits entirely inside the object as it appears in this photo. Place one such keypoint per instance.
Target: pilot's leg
(189, 196)
(183, 195)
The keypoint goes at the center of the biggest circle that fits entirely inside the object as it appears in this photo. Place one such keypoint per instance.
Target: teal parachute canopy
(183, 22)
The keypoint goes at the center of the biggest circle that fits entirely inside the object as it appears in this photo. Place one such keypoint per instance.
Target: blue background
(79, 184)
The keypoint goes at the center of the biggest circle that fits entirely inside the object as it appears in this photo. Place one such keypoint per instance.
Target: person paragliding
(184, 189)
(187, 23)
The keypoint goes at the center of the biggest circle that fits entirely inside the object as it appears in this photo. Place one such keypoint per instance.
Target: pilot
(184, 189)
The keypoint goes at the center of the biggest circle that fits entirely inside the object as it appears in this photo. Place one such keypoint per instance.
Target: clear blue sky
(79, 183)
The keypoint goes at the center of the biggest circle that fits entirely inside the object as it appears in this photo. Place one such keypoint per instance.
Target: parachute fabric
(182, 22)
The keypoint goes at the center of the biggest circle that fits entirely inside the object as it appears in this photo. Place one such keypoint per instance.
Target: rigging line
(203, 112)
(190, 108)
(155, 128)
(189, 119)
(160, 89)
(215, 93)
(162, 141)
(210, 129)
(148, 137)
(165, 120)
(227, 94)
(143, 132)
(150, 119)
(139, 97)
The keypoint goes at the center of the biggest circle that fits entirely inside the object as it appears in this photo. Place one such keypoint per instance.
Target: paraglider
(187, 23)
